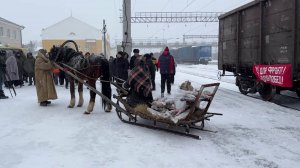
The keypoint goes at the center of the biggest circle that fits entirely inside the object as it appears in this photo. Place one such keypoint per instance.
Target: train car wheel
(243, 89)
(267, 91)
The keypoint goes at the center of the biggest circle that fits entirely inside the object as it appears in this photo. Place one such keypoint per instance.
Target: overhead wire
(160, 29)
(189, 4)
(237, 4)
(192, 29)
(207, 4)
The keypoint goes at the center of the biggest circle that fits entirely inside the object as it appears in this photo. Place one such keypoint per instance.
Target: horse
(86, 68)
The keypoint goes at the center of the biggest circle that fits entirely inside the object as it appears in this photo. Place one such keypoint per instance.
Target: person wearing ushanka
(121, 67)
(136, 55)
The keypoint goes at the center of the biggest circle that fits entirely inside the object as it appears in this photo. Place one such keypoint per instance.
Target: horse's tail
(105, 81)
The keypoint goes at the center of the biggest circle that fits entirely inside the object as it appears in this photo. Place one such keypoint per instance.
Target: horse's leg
(72, 91)
(108, 107)
(80, 91)
(91, 105)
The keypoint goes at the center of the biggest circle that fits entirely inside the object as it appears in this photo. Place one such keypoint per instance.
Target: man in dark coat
(20, 61)
(121, 67)
(2, 73)
(152, 69)
(166, 65)
(136, 55)
(29, 67)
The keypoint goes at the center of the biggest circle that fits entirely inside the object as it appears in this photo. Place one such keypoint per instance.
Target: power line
(188, 5)
(164, 7)
(207, 4)
(237, 4)
(134, 5)
(166, 4)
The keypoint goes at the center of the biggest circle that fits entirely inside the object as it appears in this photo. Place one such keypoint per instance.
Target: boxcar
(259, 43)
(193, 55)
(203, 54)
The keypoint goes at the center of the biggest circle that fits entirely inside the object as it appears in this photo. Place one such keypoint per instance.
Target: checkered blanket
(139, 78)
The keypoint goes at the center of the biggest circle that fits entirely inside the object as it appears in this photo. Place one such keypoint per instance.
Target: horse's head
(56, 54)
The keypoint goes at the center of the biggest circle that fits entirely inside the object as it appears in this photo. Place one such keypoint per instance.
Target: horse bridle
(63, 45)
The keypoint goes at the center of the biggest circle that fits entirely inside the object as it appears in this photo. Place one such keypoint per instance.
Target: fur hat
(136, 51)
(147, 56)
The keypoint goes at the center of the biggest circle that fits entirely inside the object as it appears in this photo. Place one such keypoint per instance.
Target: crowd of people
(136, 74)
(16, 69)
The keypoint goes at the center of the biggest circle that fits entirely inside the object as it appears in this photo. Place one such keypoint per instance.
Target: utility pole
(127, 41)
(104, 37)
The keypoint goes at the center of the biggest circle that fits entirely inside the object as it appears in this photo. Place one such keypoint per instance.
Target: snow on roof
(70, 28)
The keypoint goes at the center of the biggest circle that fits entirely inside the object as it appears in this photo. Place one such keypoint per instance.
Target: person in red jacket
(167, 68)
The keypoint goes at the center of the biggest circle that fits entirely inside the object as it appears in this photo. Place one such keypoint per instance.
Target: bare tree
(31, 46)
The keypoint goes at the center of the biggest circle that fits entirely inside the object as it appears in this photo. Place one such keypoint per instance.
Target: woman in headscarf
(139, 84)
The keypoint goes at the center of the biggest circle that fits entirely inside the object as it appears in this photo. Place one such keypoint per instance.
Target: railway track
(280, 99)
(206, 76)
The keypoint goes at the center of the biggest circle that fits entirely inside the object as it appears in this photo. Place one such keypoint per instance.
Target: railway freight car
(259, 43)
(192, 55)
(203, 54)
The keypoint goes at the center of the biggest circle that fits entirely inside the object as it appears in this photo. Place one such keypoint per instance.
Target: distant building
(88, 38)
(10, 33)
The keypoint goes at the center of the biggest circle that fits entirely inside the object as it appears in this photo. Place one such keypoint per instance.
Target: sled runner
(194, 119)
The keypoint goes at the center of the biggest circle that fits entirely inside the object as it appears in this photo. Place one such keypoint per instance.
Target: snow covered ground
(252, 133)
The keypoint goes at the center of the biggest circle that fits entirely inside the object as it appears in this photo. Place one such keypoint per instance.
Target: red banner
(278, 74)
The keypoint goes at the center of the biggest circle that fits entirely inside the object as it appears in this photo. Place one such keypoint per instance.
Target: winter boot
(44, 103)
(2, 95)
(162, 95)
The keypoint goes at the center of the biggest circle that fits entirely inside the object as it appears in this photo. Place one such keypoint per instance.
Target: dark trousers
(31, 78)
(62, 77)
(165, 78)
(153, 83)
(55, 78)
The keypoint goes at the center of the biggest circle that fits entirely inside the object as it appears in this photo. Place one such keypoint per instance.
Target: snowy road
(252, 133)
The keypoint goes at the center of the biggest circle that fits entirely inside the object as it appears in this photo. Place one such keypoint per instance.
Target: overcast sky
(38, 14)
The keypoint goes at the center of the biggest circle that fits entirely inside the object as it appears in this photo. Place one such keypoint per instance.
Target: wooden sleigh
(194, 120)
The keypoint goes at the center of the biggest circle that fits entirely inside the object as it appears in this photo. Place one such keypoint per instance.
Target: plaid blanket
(139, 78)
